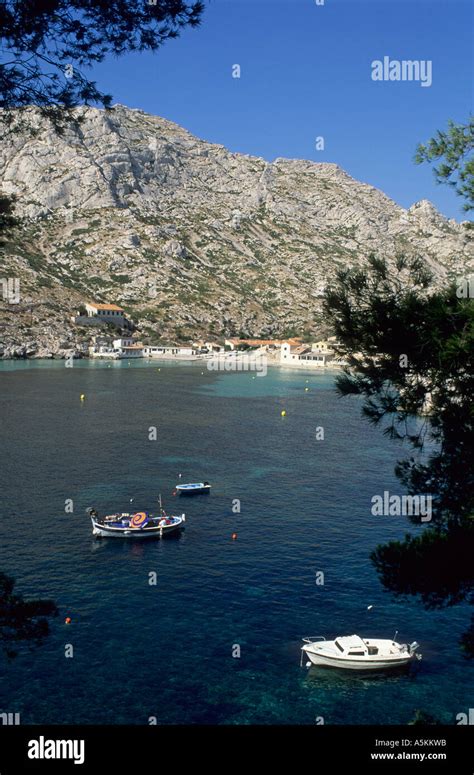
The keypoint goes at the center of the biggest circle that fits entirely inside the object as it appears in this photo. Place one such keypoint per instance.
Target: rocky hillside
(190, 238)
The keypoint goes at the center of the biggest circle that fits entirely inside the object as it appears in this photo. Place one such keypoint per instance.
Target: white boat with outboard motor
(351, 652)
(193, 488)
(141, 524)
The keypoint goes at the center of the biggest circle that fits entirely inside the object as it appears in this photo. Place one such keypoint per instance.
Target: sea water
(206, 628)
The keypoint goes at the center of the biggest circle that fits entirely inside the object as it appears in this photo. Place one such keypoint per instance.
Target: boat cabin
(354, 646)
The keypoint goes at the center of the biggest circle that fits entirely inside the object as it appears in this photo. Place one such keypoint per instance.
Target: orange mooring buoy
(234, 536)
(67, 620)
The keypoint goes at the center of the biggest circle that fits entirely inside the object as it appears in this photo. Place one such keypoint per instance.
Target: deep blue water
(166, 650)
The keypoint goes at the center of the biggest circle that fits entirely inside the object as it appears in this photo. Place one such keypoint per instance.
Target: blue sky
(306, 73)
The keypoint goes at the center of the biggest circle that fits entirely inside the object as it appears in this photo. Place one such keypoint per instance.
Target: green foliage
(7, 218)
(44, 282)
(307, 336)
(46, 43)
(454, 148)
(290, 333)
(436, 565)
(36, 261)
(410, 354)
(22, 620)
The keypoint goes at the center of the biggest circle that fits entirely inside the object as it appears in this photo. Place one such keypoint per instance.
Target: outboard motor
(414, 646)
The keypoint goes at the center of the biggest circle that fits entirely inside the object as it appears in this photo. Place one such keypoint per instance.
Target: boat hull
(357, 664)
(351, 652)
(140, 534)
(194, 491)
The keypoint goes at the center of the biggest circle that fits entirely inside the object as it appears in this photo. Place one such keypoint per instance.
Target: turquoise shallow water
(166, 650)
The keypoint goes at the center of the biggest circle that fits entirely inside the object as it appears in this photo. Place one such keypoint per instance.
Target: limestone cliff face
(189, 237)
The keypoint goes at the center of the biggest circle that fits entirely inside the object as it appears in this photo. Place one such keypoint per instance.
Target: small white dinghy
(351, 652)
(193, 488)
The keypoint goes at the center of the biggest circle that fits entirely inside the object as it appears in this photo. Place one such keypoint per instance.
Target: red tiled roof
(105, 306)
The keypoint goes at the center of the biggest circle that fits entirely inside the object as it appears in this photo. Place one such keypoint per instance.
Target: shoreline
(182, 359)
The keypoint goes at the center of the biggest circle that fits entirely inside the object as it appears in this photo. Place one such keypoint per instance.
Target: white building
(304, 355)
(235, 343)
(290, 353)
(98, 314)
(123, 341)
(102, 351)
(127, 347)
(124, 347)
(323, 346)
(313, 358)
(110, 313)
(208, 347)
(170, 351)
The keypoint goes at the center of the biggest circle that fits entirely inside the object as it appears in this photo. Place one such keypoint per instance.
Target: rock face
(190, 238)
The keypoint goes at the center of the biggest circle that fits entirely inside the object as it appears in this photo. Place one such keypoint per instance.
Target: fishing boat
(195, 488)
(351, 652)
(141, 524)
